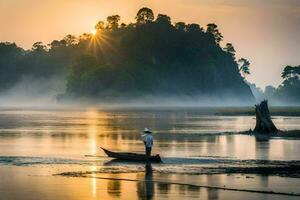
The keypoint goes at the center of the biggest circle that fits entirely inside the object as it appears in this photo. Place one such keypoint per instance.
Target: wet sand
(35, 183)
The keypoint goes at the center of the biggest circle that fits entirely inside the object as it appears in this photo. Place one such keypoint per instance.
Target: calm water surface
(34, 144)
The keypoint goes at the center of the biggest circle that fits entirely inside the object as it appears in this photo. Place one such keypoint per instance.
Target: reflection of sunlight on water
(93, 146)
(277, 148)
(92, 118)
(244, 147)
(94, 185)
(94, 182)
(236, 123)
(223, 142)
(98, 126)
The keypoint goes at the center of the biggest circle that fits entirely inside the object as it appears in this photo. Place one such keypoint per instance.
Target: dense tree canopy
(289, 90)
(151, 57)
(290, 72)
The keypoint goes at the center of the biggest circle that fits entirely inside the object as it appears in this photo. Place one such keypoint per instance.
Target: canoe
(131, 156)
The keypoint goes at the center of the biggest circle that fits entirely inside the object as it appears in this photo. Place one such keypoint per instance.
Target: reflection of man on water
(145, 189)
(148, 141)
(149, 181)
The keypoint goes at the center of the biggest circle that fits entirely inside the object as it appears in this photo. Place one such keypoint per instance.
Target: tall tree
(163, 19)
(70, 39)
(39, 46)
(181, 26)
(230, 49)
(100, 26)
(144, 15)
(244, 66)
(214, 31)
(290, 87)
(57, 43)
(290, 72)
(113, 21)
(193, 28)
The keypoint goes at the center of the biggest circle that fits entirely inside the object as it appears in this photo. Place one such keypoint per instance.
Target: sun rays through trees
(151, 57)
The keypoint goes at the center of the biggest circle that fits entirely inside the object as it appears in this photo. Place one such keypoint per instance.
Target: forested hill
(149, 58)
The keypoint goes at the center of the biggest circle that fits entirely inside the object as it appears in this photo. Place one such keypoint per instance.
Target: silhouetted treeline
(288, 92)
(151, 57)
(40, 61)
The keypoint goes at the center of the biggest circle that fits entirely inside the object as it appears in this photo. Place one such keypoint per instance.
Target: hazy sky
(267, 32)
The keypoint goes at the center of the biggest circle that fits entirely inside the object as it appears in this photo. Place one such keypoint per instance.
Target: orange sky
(267, 32)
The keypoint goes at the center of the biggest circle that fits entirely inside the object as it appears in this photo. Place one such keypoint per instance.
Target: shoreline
(282, 134)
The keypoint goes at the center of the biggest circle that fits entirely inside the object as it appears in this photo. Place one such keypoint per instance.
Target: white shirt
(148, 139)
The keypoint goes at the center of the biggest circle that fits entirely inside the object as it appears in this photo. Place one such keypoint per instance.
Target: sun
(93, 32)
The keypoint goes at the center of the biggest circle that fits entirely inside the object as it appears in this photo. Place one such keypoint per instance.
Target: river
(55, 154)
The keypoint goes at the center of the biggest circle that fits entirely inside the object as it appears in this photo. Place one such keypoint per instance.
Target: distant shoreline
(287, 111)
(291, 134)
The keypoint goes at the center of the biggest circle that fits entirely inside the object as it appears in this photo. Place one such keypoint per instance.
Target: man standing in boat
(148, 141)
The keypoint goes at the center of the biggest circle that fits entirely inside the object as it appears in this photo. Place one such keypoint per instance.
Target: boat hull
(131, 156)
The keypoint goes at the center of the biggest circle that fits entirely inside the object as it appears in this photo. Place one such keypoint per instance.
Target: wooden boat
(131, 156)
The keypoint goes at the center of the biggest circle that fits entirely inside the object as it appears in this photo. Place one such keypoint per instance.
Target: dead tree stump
(264, 122)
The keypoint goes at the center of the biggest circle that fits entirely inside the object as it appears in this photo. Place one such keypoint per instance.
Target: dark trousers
(148, 153)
